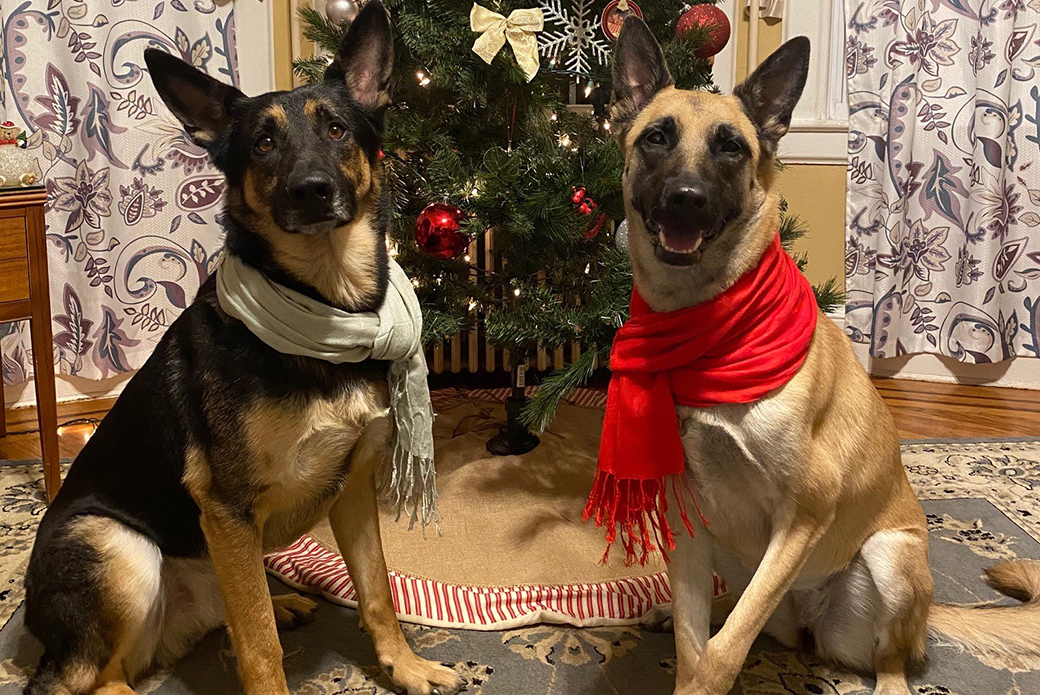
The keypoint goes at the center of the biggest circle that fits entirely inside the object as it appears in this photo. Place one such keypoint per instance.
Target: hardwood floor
(925, 410)
(922, 410)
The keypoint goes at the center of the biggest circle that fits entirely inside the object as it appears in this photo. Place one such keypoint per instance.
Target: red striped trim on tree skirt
(308, 566)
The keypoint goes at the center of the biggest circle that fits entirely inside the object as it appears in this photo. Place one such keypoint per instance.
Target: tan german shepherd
(813, 523)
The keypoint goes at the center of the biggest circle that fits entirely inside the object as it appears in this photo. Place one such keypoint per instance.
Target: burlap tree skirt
(513, 550)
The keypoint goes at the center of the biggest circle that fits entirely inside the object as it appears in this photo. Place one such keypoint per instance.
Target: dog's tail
(1004, 631)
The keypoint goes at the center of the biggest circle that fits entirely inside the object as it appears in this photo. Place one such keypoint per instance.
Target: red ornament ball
(708, 17)
(437, 232)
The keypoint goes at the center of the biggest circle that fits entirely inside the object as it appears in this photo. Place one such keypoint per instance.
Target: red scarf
(735, 348)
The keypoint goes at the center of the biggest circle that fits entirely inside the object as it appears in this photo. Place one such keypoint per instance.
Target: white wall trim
(818, 133)
(724, 70)
(827, 144)
(69, 388)
(254, 32)
(1017, 373)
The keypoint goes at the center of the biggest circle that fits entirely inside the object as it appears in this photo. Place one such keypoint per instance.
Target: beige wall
(814, 192)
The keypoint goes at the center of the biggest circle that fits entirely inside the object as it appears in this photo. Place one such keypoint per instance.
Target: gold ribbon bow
(518, 28)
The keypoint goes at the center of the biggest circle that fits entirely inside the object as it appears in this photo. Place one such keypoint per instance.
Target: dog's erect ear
(772, 91)
(204, 106)
(366, 57)
(639, 72)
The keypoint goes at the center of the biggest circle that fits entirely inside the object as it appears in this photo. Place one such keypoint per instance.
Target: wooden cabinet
(25, 294)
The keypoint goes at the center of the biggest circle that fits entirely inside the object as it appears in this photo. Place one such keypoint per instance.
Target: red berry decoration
(437, 232)
(587, 206)
(708, 17)
(579, 194)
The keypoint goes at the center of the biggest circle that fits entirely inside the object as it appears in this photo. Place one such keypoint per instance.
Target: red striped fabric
(308, 566)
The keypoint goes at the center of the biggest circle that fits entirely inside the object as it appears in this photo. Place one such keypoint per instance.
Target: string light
(554, 117)
(606, 125)
(415, 282)
(84, 427)
(423, 79)
(472, 305)
(516, 292)
(565, 140)
(466, 258)
(588, 89)
(588, 268)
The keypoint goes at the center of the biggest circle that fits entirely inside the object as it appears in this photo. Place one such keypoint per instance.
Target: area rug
(982, 502)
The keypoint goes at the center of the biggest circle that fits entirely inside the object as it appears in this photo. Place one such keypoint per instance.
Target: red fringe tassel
(636, 510)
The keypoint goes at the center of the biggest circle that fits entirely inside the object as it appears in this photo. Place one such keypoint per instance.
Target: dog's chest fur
(735, 455)
(301, 449)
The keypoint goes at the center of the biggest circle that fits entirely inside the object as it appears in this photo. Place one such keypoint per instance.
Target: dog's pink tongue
(681, 242)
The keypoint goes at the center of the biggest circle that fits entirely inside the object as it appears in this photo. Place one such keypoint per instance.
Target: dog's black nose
(313, 188)
(687, 198)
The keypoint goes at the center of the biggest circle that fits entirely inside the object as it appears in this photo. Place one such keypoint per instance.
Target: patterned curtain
(943, 212)
(130, 200)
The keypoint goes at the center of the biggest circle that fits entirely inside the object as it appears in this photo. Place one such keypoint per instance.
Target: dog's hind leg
(133, 592)
(355, 523)
(94, 597)
(898, 564)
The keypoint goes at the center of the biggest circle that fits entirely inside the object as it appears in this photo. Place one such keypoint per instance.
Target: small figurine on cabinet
(16, 164)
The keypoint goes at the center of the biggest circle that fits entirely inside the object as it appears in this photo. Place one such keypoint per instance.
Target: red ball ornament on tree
(713, 20)
(437, 232)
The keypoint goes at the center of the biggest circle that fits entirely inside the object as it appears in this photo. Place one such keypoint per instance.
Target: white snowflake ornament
(572, 39)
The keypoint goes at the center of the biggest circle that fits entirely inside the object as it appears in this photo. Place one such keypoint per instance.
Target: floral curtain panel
(943, 215)
(131, 202)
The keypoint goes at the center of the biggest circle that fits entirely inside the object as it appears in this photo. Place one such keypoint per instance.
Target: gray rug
(982, 504)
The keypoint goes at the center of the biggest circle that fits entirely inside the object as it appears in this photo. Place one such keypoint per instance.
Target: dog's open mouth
(676, 245)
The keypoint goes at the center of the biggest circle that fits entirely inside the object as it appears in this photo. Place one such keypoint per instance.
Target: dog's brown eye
(336, 131)
(265, 144)
(656, 137)
(731, 146)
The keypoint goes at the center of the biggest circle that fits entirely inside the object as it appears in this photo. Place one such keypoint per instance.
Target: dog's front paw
(658, 619)
(293, 610)
(703, 687)
(413, 675)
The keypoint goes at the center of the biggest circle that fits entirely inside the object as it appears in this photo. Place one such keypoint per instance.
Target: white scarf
(295, 324)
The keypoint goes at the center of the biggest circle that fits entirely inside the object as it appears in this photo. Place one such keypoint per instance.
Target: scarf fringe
(637, 512)
(407, 483)
(407, 479)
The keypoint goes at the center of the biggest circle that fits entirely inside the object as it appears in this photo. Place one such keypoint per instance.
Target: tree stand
(514, 439)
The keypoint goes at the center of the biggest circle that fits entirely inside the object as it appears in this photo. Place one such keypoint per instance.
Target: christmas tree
(489, 153)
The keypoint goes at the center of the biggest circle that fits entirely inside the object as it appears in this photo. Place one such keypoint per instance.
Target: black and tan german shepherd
(221, 448)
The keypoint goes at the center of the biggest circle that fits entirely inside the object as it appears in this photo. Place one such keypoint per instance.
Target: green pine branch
(320, 29)
(541, 408)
